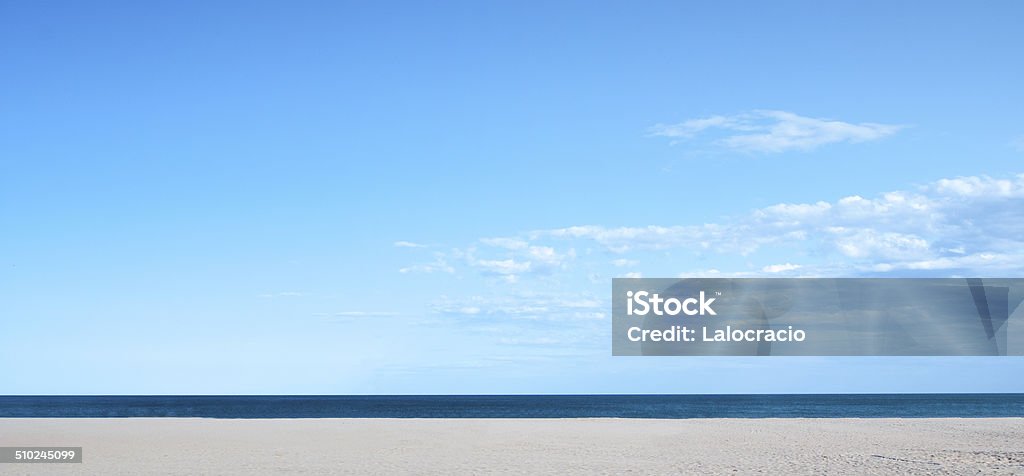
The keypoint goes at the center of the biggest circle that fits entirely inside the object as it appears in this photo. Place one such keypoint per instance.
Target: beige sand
(612, 446)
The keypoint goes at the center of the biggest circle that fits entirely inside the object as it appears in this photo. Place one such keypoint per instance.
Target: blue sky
(357, 197)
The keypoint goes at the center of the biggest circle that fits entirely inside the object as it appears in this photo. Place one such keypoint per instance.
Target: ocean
(521, 406)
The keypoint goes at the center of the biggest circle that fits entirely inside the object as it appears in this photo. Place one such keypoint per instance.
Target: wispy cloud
(767, 131)
(503, 266)
(525, 305)
(507, 258)
(408, 244)
(716, 273)
(507, 243)
(438, 265)
(510, 258)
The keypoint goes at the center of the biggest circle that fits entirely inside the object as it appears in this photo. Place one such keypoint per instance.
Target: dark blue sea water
(521, 406)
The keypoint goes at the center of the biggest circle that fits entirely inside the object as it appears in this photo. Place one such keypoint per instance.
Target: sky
(433, 197)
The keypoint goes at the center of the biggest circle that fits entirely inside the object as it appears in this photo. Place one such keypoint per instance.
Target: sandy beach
(438, 446)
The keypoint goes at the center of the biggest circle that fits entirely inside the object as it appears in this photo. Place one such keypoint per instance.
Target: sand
(442, 446)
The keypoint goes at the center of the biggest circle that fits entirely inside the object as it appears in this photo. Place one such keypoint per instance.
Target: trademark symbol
(718, 293)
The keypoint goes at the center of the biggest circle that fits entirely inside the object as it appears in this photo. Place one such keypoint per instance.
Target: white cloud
(797, 211)
(769, 131)
(547, 256)
(982, 187)
(505, 266)
(507, 243)
(780, 268)
(863, 243)
(633, 274)
(515, 256)
(408, 244)
(622, 262)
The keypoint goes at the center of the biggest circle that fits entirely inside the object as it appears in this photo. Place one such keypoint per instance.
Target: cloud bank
(957, 226)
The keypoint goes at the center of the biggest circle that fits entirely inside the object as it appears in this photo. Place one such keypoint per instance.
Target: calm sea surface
(521, 406)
